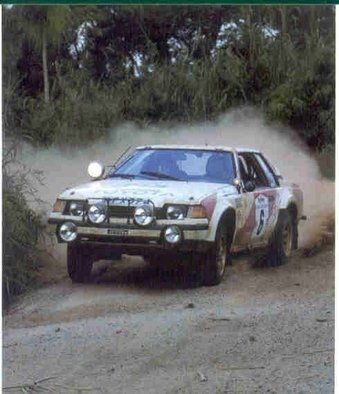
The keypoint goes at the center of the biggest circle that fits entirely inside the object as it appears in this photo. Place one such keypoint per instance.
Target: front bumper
(129, 237)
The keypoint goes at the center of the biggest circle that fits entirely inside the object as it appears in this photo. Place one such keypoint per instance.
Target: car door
(258, 206)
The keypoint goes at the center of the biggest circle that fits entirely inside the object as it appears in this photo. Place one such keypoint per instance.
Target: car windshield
(178, 165)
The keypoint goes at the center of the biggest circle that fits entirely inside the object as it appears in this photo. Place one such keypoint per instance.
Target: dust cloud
(67, 167)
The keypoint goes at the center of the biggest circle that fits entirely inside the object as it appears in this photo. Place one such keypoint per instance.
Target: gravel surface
(136, 329)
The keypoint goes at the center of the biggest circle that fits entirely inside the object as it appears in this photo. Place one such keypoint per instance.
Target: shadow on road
(134, 272)
(167, 275)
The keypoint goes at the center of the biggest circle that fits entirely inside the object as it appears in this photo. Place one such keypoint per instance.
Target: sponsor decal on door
(261, 215)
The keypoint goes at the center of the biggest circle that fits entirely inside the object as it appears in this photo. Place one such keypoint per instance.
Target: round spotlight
(173, 234)
(97, 213)
(143, 214)
(95, 169)
(68, 232)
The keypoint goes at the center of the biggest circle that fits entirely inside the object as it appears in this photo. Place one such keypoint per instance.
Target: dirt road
(137, 330)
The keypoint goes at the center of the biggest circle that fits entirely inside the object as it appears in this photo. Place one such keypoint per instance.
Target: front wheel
(79, 263)
(214, 266)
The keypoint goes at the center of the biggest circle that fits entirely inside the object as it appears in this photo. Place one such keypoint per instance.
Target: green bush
(132, 64)
(22, 228)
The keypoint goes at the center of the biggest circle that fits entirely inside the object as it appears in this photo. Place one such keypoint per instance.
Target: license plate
(116, 232)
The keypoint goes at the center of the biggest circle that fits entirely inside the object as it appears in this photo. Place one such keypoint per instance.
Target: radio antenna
(120, 157)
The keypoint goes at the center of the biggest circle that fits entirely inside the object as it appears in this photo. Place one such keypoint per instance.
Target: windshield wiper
(126, 176)
(160, 175)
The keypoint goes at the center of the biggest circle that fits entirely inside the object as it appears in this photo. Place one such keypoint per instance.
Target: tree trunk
(283, 11)
(250, 30)
(45, 67)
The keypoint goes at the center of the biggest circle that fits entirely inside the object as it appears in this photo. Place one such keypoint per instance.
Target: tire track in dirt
(136, 329)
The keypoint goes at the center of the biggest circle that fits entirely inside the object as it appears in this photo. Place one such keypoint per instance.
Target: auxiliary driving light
(95, 169)
(68, 232)
(97, 213)
(143, 214)
(173, 234)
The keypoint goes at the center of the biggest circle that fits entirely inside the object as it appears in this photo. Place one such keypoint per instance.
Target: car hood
(160, 192)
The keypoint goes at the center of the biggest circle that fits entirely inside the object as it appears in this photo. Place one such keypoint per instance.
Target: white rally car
(165, 202)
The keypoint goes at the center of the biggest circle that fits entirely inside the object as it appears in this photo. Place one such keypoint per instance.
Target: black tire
(281, 244)
(214, 263)
(79, 263)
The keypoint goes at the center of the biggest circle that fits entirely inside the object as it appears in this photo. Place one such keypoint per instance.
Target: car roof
(199, 147)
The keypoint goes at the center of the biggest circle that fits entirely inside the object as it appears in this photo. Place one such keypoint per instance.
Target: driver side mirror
(249, 186)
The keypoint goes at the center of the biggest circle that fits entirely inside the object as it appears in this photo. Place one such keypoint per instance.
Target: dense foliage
(22, 229)
(73, 72)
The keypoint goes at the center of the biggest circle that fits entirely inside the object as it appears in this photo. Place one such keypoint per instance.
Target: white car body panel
(256, 213)
(159, 191)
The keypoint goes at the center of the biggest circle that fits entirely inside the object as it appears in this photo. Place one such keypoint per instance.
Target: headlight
(143, 214)
(76, 208)
(97, 213)
(68, 231)
(176, 212)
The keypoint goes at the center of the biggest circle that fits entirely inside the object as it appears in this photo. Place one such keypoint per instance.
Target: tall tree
(43, 26)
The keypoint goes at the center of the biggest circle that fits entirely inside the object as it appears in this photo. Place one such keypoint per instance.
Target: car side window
(268, 172)
(251, 170)
(243, 169)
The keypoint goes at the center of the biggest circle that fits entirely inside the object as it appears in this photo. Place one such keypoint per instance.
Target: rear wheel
(214, 266)
(281, 244)
(79, 263)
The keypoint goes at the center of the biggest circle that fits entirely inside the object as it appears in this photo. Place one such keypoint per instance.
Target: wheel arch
(228, 218)
(290, 201)
(293, 211)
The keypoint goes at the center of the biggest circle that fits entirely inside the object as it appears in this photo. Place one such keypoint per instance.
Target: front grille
(116, 211)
